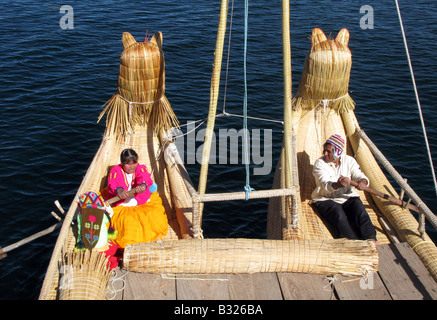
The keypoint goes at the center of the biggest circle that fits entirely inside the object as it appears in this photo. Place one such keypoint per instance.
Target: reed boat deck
(401, 276)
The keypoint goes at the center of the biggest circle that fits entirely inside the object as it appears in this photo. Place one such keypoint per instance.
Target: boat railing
(199, 199)
(424, 211)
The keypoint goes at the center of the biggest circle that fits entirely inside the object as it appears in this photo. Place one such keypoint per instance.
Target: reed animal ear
(157, 38)
(317, 36)
(128, 39)
(343, 36)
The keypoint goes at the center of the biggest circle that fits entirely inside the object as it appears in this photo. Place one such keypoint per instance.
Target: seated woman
(138, 218)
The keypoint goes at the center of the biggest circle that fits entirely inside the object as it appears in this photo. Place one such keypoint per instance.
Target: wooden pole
(28, 239)
(214, 92)
(432, 218)
(287, 92)
(117, 198)
(48, 230)
(393, 200)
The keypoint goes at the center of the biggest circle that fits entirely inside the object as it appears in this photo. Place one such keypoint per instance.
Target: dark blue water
(55, 81)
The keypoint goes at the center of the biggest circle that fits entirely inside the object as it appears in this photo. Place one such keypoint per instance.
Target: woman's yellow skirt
(142, 223)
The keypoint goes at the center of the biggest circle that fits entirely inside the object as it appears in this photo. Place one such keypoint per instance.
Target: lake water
(55, 80)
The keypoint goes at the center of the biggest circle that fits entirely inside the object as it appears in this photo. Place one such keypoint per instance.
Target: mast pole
(214, 91)
(286, 48)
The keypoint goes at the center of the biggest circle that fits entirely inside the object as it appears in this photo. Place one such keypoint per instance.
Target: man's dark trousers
(348, 220)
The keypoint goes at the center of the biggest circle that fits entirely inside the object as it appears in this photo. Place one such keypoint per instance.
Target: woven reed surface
(84, 276)
(326, 257)
(145, 142)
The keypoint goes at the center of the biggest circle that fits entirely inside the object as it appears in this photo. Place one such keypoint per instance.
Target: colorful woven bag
(92, 219)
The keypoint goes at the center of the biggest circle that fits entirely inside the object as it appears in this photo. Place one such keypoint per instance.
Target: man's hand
(362, 184)
(344, 181)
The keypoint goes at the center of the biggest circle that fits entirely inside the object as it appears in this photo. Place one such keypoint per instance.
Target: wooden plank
(302, 286)
(370, 287)
(145, 286)
(202, 287)
(419, 269)
(255, 286)
(398, 276)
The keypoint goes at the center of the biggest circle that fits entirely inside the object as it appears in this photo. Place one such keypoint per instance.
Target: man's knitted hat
(337, 141)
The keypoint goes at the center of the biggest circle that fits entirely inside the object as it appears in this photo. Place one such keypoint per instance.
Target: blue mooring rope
(247, 187)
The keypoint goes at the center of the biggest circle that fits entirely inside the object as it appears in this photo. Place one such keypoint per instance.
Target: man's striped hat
(337, 141)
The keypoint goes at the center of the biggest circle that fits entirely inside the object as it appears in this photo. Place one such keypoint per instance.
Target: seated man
(335, 199)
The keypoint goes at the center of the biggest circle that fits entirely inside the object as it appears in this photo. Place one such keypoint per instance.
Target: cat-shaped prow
(326, 74)
(141, 89)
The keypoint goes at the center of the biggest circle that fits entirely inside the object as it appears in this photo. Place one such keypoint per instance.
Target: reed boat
(139, 116)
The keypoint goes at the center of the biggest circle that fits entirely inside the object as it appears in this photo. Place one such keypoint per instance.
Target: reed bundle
(325, 257)
(84, 275)
(141, 86)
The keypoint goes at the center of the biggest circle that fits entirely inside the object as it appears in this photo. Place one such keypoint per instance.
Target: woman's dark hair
(128, 155)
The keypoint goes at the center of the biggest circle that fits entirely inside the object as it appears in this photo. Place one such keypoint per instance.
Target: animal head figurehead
(141, 89)
(142, 69)
(327, 70)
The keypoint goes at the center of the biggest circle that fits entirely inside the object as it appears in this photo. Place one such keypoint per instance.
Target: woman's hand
(141, 188)
(122, 193)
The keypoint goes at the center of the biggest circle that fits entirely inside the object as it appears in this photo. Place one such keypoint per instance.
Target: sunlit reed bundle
(326, 257)
(141, 85)
(326, 74)
(84, 275)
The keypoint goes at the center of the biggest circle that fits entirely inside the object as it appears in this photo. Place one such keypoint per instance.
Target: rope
(417, 95)
(421, 242)
(133, 102)
(228, 58)
(325, 102)
(247, 187)
(254, 118)
(111, 291)
(191, 276)
(172, 133)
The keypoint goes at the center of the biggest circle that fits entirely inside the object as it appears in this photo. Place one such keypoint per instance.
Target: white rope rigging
(417, 95)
